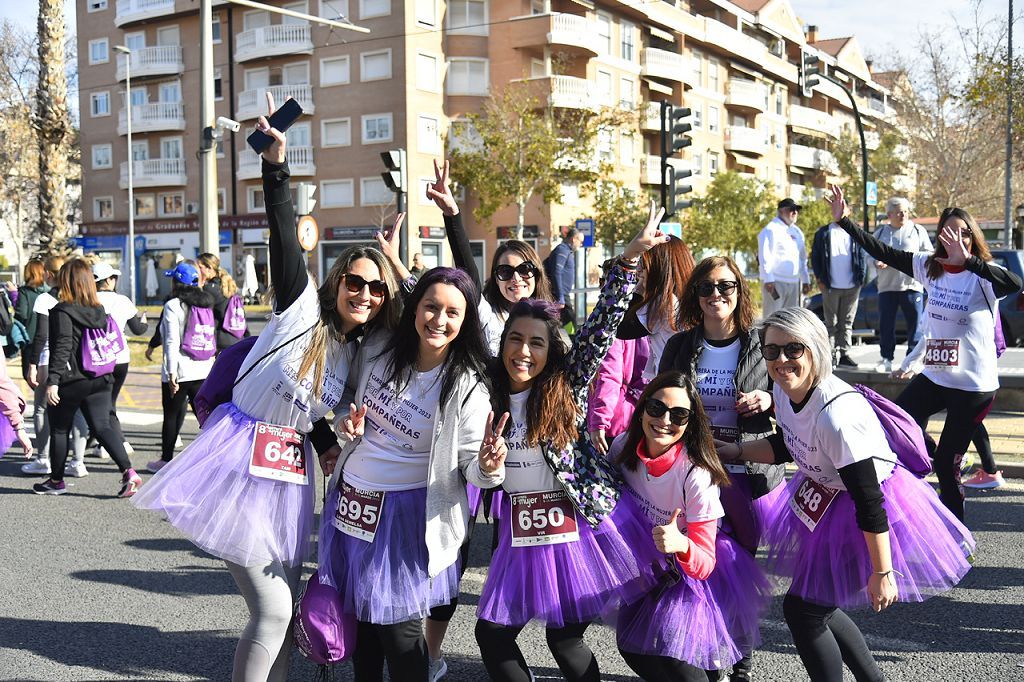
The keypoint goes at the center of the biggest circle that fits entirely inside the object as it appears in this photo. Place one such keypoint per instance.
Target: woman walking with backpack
(28, 293)
(84, 344)
(228, 310)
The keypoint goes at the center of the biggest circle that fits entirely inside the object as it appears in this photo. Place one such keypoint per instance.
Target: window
(140, 96)
(424, 183)
(216, 29)
(467, 17)
(170, 148)
(628, 49)
(426, 12)
(780, 98)
(172, 204)
(99, 103)
(301, 7)
(101, 156)
(169, 36)
(570, 193)
(604, 144)
(468, 77)
(299, 135)
(219, 149)
(698, 164)
(170, 91)
(373, 192)
(335, 71)
(780, 136)
(334, 9)
(135, 41)
(374, 8)
(375, 66)
(697, 67)
(698, 117)
(295, 74)
(627, 98)
(103, 208)
(336, 132)
(257, 19)
(780, 181)
(604, 87)
(218, 85)
(145, 206)
(713, 75)
(96, 5)
(254, 197)
(222, 200)
(428, 135)
(712, 164)
(627, 149)
(376, 128)
(140, 151)
(604, 33)
(426, 72)
(336, 193)
(99, 51)
(713, 119)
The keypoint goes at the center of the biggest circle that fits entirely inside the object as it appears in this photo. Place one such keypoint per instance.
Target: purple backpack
(1000, 339)
(234, 317)
(323, 632)
(100, 348)
(199, 340)
(219, 383)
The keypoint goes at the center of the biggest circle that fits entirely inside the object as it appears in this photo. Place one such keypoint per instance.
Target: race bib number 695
(358, 512)
(277, 454)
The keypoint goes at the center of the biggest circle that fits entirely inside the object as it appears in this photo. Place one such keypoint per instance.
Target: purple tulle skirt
(766, 503)
(385, 581)
(209, 495)
(831, 566)
(574, 582)
(7, 435)
(741, 591)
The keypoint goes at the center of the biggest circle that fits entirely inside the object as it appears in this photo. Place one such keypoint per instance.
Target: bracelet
(624, 262)
(889, 572)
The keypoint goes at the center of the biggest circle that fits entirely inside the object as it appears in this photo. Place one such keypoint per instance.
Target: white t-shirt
(399, 430)
(526, 471)
(121, 308)
(840, 258)
(43, 305)
(492, 322)
(961, 312)
(824, 441)
(716, 374)
(273, 392)
(661, 331)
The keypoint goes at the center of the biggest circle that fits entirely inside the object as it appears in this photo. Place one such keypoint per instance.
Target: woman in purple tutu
(709, 617)
(855, 527)
(565, 544)
(244, 489)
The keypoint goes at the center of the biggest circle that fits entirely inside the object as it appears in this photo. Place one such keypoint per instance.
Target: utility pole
(1008, 188)
(131, 161)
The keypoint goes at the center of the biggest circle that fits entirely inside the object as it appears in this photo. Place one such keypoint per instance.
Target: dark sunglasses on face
(656, 409)
(355, 284)
(725, 287)
(504, 272)
(793, 350)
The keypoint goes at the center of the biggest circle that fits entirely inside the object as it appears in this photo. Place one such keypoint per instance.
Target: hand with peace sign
(352, 426)
(493, 450)
(668, 539)
(647, 238)
(275, 153)
(440, 191)
(387, 242)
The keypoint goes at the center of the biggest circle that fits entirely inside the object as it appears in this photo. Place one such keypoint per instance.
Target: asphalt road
(95, 590)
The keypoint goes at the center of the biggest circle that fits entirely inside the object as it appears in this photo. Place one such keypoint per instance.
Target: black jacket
(220, 306)
(67, 323)
(26, 301)
(821, 261)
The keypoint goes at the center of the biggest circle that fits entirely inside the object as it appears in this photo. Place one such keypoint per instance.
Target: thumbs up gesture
(668, 539)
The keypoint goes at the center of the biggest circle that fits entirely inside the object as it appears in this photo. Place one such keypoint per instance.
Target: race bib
(943, 354)
(358, 512)
(277, 454)
(543, 518)
(729, 434)
(734, 468)
(811, 501)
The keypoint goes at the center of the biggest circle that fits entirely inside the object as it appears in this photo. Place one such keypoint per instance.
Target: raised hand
(388, 243)
(649, 237)
(837, 202)
(493, 449)
(956, 251)
(352, 426)
(440, 191)
(668, 539)
(275, 153)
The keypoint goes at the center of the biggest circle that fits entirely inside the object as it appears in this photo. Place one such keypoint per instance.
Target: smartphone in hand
(282, 120)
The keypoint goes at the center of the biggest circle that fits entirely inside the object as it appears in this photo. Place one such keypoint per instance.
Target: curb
(1011, 469)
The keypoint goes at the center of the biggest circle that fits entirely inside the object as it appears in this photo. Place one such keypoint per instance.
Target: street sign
(140, 246)
(674, 229)
(585, 226)
(872, 192)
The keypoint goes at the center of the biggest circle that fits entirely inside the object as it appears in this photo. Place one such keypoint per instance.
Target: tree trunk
(53, 127)
(518, 232)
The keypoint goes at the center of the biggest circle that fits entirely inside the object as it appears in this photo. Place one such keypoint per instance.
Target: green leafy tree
(814, 213)
(884, 165)
(618, 214)
(729, 216)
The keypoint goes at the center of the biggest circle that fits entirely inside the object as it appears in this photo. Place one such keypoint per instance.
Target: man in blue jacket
(560, 266)
(840, 267)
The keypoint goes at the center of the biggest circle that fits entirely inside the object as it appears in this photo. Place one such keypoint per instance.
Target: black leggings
(444, 613)
(964, 411)
(120, 374)
(826, 638)
(983, 445)
(401, 645)
(651, 668)
(174, 413)
(92, 396)
(505, 663)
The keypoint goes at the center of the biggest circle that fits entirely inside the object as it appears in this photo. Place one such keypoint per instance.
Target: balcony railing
(747, 140)
(271, 41)
(650, 168)
(567, 92)
(747, 95)
(650, 116)
(300, 162)
(667, 65)
(802, 156)
(813, 120)
(160, 60)
(155, 173)
(253, 103)
(137, 10)
(564, 30)
(151, 117)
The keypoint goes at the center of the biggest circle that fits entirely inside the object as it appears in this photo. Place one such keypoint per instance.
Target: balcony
(129, 11)
(161, 60)
(650, 117)
(655, 63)
(568, 32)
(745, 140)
(300, 161)
(747, 95)
(813, 158)
(272, 41)
(253, 103)
(813, 121)
(564, 92)
(155, 173)
(650, 168)
(147, 118)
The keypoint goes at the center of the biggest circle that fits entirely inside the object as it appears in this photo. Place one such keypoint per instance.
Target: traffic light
(304, 202)
(810, 69)
(677, 190)
(674, 138)
(395, 175)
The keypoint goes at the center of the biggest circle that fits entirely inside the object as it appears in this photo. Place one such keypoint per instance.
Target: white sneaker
(128, 449)
(885, 367)
(37, 466)
(100, 453)
(437, 670)
(178, 443)
(75, 469)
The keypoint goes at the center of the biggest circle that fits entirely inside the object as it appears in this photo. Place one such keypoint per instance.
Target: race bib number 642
(277, 454)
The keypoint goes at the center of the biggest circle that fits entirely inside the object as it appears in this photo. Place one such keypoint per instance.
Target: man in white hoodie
(782, 259)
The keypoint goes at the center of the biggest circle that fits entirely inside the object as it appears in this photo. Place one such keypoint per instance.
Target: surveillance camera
(227, 124)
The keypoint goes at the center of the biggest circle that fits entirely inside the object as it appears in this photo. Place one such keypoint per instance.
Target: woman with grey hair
(852, 516)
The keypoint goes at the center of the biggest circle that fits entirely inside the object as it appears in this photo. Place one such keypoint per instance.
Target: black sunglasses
(677, 415)
(725, 287)
(793, 350)
(355, 284)
(504, 271)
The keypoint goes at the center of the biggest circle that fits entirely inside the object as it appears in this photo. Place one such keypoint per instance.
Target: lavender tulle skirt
(574, 582)
(385, 581)
(7, 435)
(931, 549)
(741, 591)
(208, 494)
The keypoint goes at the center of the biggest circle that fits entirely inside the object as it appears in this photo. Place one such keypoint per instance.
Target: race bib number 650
(277, 454)
(543, 518)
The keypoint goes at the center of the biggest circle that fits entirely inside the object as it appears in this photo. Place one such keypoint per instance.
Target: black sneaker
(49, 487)
(846, 361)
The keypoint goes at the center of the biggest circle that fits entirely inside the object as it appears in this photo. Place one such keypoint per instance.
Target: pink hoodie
(617, 386)
(12, 404)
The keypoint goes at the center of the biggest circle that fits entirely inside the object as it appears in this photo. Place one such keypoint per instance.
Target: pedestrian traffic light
(810, 69)
(304, 201)
(677, 190)
(395, 176)
(674, 138)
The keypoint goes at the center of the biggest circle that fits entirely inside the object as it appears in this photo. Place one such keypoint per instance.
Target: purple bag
(217, 386)
(1000, 339)
(234, 317)
(323, 632)
(100, 348)
(199, 340)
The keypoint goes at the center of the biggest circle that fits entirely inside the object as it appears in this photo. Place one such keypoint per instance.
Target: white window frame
(145, 197)
(323, 132)
(627, 93)
(290, 66)
(95, 6)
(218, 75)
(698, 117)
(698, 163)
(714, 75)
(485, 81)
(172, 138)
(250, 198)
(327, 203)
(363, 201)
(714, 119)
(391, 127)
(160, 205)
(94, 98)
(110, 156)
(222, 199)
(627, 37)
(713, 164)
(105, 42)
(220, 29)
(438, 60)
(421, 190)
(372, 53)
(348, 66)
(435, 145)
(364, 14)
(301, 6)
(604, 40)
(129, 38)
(420, 5)
(343, 4)
(96, 208)
(631, 159)
(467, 29)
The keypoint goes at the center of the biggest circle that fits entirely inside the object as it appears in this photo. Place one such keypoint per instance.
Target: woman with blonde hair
(228, 310)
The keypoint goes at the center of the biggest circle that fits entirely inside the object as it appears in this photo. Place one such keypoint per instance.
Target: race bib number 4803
(277, 454)
(358, 512)
(811, 501)
(543, 518)
(943, 354)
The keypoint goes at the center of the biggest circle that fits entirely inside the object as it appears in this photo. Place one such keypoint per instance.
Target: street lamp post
(131, 162)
